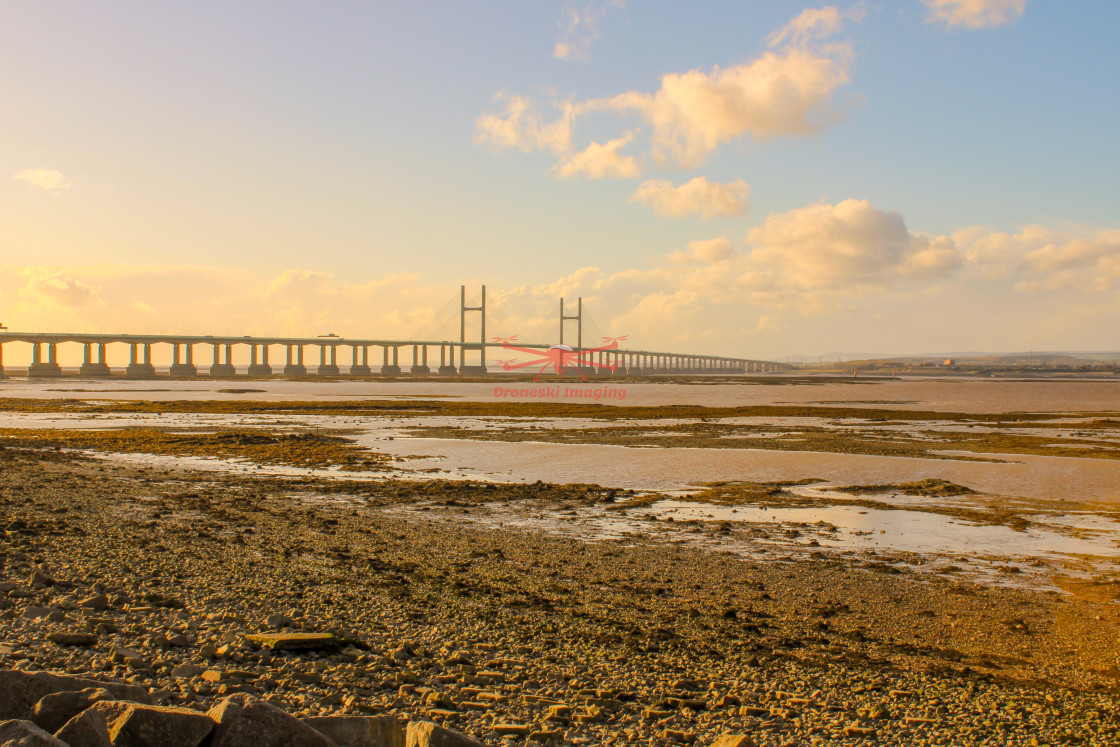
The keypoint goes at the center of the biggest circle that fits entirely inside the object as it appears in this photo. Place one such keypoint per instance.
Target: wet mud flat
(508, 631)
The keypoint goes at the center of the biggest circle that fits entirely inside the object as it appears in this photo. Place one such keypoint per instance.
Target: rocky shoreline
(161, 579)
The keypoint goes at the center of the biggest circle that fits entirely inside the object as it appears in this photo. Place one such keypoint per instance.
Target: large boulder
(242, 719)
(428, 734)
(54, 710)
(88, 729)
(16, 733)
(360, 731)
(20, 690)
(138, 725)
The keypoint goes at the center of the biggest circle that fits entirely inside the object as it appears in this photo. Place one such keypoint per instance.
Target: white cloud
(580, 29)
(695, 197)
(846, 247)
(48, 287)
(599, 161)
(707, 252)
(1040, 258)
(814, 24)
(521, 127)
(43, 179)
(975, 14)
(786, 91)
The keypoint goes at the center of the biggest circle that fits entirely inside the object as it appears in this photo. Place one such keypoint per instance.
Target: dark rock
(19, 691)
(427, 734)
(242, 719)
(140, 725)
(295, 641)
(360, 731)
(88, 729)
(54, 710)
(26, 734)
(73, 639)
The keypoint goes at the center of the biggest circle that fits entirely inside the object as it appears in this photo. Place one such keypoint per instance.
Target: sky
(755, 180)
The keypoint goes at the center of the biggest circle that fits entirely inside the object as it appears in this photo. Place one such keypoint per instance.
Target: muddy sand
(519, 636)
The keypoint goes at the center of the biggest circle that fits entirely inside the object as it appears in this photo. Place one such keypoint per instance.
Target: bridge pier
(89, 368)
(217, 368)
(262, 368)
(387, 368)
(38, 367)
(420, 366)
(179, 367)
(2, 376)
(359, 366)
(138, 369)
(328, 369)
(295, 368)
(446, 369)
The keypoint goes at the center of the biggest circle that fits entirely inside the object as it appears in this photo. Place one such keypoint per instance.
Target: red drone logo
(558, 357)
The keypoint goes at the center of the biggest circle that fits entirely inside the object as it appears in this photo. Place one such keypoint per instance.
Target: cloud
(781, 93)
(846, 247)
(580, 29)
(599, 161)
(1038, 258)
(975, 14)
(707, 251)
(786, 91)
(815, 24)
(695, 197)
(43, 179)
(521, 127)
(48, 287)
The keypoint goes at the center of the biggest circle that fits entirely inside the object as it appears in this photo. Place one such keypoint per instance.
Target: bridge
(462, 357)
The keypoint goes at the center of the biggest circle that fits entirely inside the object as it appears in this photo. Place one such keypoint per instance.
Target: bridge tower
(464, 346)
(577, 318)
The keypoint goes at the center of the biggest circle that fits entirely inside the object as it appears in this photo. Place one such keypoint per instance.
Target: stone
(54, 710)
(73, 639)
(294, 641)
(129, 657)
(517, 730)
(40, 578)
(19, 691)
(160, 600)
(360, 731)
(140, 725)
(96, 602)
(187, 670)
(17, 733)
(277, 621)
(428, 734)
(241, 719)
(87, 729)
(734, 740)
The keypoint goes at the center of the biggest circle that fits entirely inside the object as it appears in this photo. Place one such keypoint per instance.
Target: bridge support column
(357, 366)
(138, 369)
(38, 367)
(89, 367)
(445, 368)
(419, 361)
(217, 368)
(295, 367)
(262, 368)
(2, 376)
(328, 369)
(387, 368)
(180, 368)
